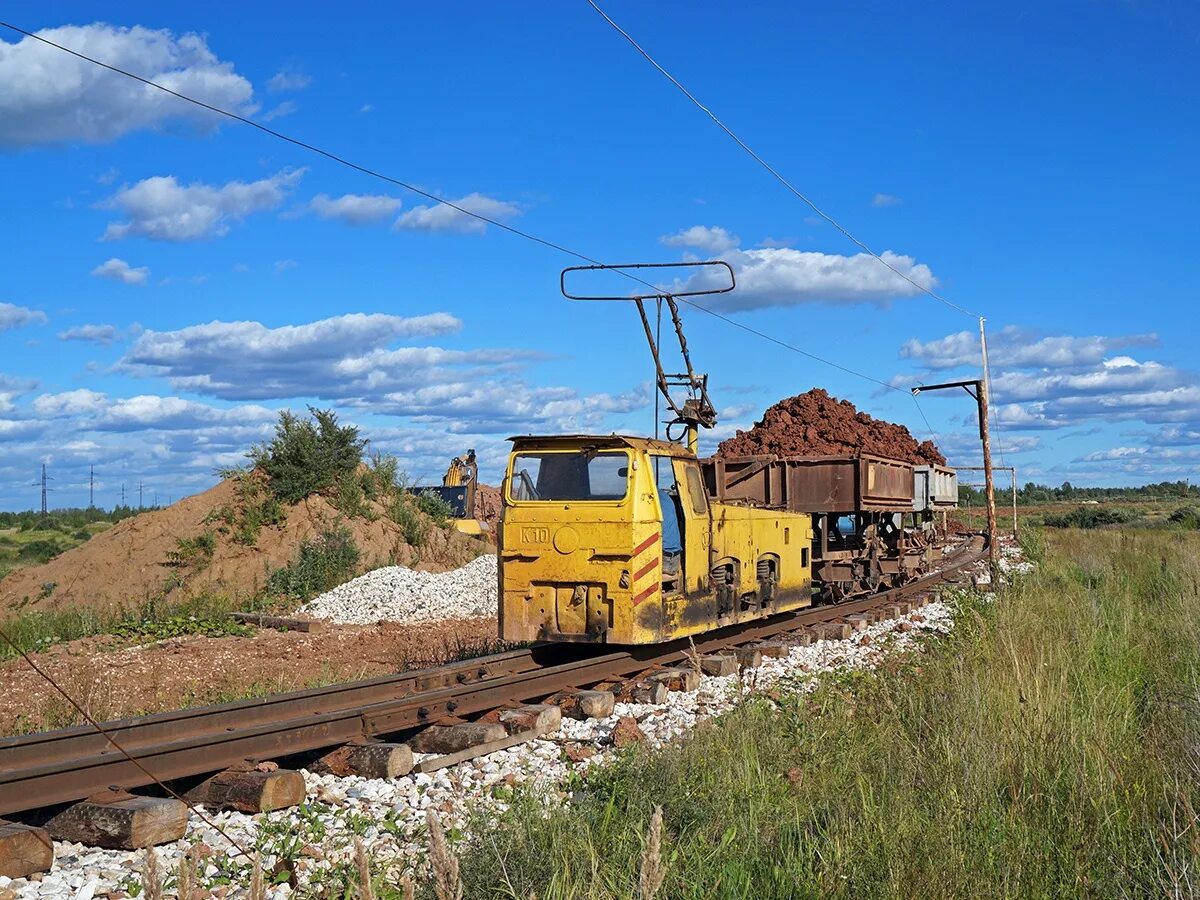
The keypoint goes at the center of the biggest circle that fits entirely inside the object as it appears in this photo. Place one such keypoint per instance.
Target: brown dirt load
(139, 558)
(816, 424)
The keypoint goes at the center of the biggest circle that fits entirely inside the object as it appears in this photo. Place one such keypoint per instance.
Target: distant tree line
(67, 519)
(1044, 493)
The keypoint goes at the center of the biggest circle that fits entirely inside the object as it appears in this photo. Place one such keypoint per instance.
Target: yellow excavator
(458, 491)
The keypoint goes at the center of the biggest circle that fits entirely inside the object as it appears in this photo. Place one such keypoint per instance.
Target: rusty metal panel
(812, 484)
(935, 487)
(885, 483)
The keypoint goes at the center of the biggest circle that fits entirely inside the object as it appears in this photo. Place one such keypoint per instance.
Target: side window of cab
(697, 499)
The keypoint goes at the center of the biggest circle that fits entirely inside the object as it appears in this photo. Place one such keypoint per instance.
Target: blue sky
(172, 281)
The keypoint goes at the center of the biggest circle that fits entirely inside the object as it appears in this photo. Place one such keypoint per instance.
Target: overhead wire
(772, 170)
(408, 186)
(87, 717)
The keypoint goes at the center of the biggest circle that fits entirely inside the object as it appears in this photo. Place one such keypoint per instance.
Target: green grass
(1049, 748)
(206, 614)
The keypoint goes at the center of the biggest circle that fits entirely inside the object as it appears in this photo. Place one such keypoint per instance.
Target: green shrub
(308, 455)
(382, 477)
(41, 550)
(415, 525)
(435, 507)
(193, 551)
(1091, 517)
(1186, 517)
(321, 564)
(349, 495)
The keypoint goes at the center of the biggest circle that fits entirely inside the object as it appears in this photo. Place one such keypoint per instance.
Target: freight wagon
(861, 507)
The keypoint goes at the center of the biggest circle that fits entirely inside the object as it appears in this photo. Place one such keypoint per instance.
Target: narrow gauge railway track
(54, 767)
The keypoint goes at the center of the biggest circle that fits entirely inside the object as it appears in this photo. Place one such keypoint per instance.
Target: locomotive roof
(649, 445)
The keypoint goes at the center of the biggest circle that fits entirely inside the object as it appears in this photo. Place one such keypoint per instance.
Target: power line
(545, 242)
(107, 735)
(771, 169)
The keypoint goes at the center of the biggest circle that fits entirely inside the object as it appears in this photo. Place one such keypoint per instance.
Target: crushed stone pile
(399, 594)
(816, 424)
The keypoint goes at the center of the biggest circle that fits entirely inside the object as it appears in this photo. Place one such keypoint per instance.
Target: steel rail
(53, 767)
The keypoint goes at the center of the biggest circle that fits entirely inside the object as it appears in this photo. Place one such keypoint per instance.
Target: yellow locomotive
(630, 540)
(615, 539)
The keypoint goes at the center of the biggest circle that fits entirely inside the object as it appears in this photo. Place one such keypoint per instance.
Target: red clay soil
(113, 680)
(816, 424)
(130, 563)
(488, 506)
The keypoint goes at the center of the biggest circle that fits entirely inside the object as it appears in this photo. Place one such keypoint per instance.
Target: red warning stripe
(648, 567)
(638, 598)
(646, 544)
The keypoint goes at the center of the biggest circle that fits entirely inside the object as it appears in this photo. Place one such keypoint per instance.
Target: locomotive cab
(615, 539)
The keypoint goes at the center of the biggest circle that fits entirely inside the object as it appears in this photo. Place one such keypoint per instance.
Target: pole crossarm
(965, 385)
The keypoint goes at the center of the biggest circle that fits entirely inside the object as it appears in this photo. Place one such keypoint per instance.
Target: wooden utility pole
(977, 388)
(990, 487)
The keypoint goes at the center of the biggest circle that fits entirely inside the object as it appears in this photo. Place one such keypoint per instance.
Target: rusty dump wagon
(934, 488)
(865, 537)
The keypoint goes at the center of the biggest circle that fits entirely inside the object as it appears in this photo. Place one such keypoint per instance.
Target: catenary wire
(545, 242)
(242, 851)
(771, 169)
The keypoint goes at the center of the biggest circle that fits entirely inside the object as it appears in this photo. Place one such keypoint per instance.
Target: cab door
(697, 532)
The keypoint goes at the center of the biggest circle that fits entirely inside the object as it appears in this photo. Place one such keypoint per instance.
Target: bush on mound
(308, 455)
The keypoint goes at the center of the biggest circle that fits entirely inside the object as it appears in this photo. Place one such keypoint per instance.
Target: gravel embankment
(398, 594)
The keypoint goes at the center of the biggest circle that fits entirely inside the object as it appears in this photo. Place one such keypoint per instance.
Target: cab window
(695, 487)
(579, 475)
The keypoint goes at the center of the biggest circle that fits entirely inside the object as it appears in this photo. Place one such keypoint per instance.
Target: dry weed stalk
(152, 883)
(258, 890)
(654, 869)
(363, 865)
(693, 656)
(185, 876)
(446, 881)
(407, 891)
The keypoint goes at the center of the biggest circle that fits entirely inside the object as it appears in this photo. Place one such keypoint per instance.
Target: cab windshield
(579, 475)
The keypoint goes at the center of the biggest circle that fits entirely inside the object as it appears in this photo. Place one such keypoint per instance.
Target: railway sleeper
(24, 849)
(250, 789)
(719, 664)
(638, 690)
(444, 739)
(116, 820)
(586, 704)
(372, 759)
(678, 679)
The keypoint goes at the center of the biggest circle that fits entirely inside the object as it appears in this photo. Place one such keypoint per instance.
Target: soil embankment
(816, 424)
(136, 560)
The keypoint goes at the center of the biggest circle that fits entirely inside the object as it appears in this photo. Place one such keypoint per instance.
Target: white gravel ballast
(399, 594)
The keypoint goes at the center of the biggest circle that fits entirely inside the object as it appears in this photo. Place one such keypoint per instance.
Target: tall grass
(1050, 747)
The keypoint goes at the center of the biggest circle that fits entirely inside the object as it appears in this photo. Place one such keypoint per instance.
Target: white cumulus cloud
(119, 270)
(784, 276)
(162, 209)
(94, 334)
(288, 79)
(440, 217)
(13, 316)
(47, 95)
(355, 209)
(712, 239)
(1020, 347)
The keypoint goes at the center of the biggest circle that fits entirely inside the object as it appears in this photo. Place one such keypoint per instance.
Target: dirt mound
(488, 506)
(138, 559)
(816, 424)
